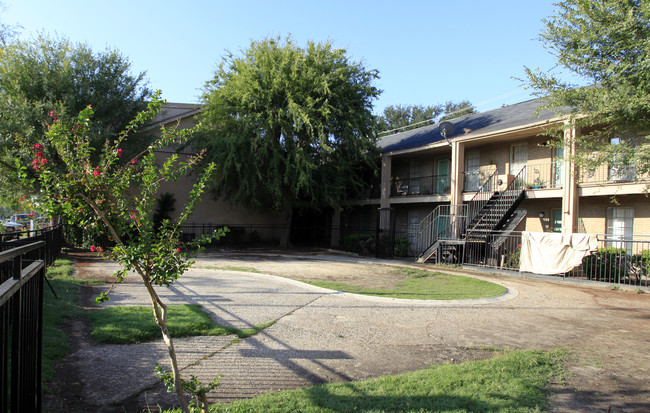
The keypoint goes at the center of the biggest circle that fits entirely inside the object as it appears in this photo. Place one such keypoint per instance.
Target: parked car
(9, 226)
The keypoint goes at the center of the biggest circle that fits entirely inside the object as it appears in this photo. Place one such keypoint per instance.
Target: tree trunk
(160, 315)
(159, 309)
(285, 231)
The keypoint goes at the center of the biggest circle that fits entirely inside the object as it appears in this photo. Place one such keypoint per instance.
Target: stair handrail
(506, 198)
(482, 196)
(431, 227)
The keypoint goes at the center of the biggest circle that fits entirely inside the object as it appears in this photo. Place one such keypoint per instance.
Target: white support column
(457, 172)
(570, 209)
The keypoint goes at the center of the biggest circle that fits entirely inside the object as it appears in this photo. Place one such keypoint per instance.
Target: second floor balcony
(422, 186)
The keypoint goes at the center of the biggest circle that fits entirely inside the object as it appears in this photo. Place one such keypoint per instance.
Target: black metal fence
(617, 260)
(21, 330)
(357, 239)
(23, 259)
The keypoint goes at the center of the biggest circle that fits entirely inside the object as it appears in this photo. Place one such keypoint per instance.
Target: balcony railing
(475, 180)
(606, 174)
(426, 185)
(544, 175)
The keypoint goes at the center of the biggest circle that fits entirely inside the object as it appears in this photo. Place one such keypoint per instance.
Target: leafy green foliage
(192, 386)
(604, 43)
(105, 194)
(51, 77)
(288, 126)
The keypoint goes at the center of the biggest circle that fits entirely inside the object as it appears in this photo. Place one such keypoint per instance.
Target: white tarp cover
(553, 252)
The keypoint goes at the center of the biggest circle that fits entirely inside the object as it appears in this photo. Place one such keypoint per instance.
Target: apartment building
(498, 170)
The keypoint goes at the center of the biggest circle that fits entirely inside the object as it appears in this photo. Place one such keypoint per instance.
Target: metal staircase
(470, 225)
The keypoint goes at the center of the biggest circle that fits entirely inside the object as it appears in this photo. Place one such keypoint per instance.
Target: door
(557, 220)
(620, 223)
(472, 171)
(442, 176)
(519, 159)
(415, 175)
(412, 231)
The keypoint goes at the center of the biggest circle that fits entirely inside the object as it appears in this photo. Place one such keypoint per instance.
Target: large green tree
(49, 78)
(606, 44)
(401, 116)
(288, 126)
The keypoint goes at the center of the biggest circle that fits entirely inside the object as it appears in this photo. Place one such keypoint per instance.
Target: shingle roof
(510, 116)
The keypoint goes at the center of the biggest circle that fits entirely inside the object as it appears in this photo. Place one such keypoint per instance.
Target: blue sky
(427, 52)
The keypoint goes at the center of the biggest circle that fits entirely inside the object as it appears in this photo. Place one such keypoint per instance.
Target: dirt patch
(607, 331)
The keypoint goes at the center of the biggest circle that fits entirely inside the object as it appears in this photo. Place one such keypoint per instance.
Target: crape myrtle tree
(604, 43)
(288, 126)
(401, 116)
(47, 75)
(110, 194)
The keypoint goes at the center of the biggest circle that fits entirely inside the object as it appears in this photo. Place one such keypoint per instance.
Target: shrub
(359, 243)
(640, 265)
(512, 259)
(402, 247)
(607, 264)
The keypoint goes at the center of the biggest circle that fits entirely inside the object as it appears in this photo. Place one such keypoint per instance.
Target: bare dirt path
(607, 331)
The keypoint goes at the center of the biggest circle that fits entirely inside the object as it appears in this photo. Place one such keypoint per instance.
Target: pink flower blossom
(134, 161)
(44, 161)
(118, 152)
(96, 172)
(52, 113)
(178, 250)
(93, 248)
(39, 155)
(38, 146)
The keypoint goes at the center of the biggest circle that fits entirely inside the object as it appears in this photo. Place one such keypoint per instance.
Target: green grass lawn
(135, 324)
(56, 310)
(515, 381)
(425, 285)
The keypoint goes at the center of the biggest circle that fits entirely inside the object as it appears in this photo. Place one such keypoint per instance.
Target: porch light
(541, 214)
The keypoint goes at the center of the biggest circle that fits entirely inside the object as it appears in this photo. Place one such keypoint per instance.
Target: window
(620, 223)
(472, 171)
(618, 170)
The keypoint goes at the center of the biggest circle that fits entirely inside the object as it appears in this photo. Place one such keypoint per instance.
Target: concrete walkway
(325, 336)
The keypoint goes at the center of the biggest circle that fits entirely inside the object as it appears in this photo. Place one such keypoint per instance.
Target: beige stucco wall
(209, 210)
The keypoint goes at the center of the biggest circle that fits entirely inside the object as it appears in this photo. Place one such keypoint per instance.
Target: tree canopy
(49, 78)
(400, 116)
(288, 126)
(605, 43)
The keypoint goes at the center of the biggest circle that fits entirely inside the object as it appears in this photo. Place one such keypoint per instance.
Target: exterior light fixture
(542, 214)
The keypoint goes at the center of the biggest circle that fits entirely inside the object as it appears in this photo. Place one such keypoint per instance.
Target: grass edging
(135, 324)
(422, 284)
(516, 381)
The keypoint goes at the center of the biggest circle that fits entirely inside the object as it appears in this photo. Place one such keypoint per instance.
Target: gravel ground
(325, 336)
